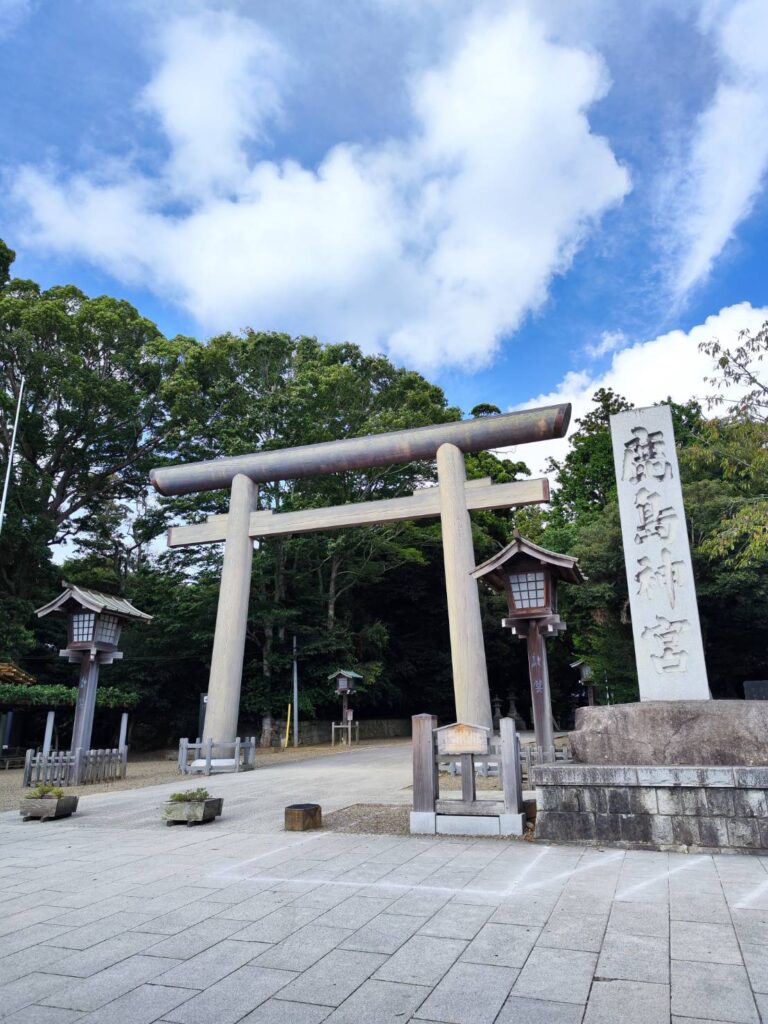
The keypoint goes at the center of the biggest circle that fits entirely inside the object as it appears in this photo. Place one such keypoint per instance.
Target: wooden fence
(207, 756)
(489, 766)
(75, 767)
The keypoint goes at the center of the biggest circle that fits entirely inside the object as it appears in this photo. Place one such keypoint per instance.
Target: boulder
(661, 732)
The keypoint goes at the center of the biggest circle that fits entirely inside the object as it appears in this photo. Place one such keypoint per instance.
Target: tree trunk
(332, 592)
(266, 731)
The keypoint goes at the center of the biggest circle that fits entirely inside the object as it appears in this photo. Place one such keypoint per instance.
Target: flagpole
(10, 457)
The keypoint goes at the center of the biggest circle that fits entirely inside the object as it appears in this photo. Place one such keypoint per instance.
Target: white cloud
(431, 246)
(715, 189)
(216, 90)
(609, 342)
(669, 366)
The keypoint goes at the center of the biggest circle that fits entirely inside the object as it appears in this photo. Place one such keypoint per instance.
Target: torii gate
(451, 500)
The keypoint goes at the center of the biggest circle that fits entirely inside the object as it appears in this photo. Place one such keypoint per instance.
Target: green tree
(735, 447)
(93, 418)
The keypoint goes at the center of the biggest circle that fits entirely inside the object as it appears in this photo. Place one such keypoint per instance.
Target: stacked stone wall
(676, 808)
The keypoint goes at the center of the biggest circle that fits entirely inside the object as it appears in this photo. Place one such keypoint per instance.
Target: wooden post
(302, 817)
(48, 733)
(208, 756)
(76, 767)
(511, 769)
(468, 792)
(237, 754)
(425, 781)
(82, 727)
(470, 675)
(541, 699)
(223, 705)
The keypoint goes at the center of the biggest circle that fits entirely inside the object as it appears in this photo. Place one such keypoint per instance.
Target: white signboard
(662, 596)
(461, 738)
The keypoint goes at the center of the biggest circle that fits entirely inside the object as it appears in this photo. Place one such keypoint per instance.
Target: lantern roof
(92, 600)
(345, 672)
(10, 673)
(494, 570)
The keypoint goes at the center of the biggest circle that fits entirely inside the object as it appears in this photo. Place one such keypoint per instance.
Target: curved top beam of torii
(361, 452)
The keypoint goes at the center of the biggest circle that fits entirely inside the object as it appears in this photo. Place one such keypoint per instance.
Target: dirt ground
(392, 820)
(159, 766)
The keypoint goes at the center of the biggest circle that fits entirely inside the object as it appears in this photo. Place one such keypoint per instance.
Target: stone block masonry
(684, 808)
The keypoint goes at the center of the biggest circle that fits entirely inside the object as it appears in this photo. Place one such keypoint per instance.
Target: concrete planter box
(192, 812)
(47, 807)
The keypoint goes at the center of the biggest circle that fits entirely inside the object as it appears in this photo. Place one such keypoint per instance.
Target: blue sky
(525, 201)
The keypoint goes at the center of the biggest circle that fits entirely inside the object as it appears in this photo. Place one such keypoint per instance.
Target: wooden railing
(208, 756)
(75, 767)
(488, 765)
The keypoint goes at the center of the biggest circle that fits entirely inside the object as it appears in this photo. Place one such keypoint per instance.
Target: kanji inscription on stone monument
(662, 595)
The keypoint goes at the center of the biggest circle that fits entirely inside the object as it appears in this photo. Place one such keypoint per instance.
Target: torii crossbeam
(452, 500)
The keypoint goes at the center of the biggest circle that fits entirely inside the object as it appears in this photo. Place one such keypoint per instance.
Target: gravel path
(160, 767)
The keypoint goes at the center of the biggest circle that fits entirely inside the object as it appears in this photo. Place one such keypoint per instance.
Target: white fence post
(123, 731)
(48, 733)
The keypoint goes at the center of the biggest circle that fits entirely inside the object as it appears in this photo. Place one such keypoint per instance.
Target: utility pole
(10, 455)
(295, 695)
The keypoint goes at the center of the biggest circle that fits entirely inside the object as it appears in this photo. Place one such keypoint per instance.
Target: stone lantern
(529, 576)
(94, 624)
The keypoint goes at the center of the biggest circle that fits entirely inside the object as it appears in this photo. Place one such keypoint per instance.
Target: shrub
(43, 790)
(190, 796)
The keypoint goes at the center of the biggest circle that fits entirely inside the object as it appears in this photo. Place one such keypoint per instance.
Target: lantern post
(529, 575)
(346, 684)
(94, 624)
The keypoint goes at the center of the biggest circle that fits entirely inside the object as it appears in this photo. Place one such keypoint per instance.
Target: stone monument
(662, 594)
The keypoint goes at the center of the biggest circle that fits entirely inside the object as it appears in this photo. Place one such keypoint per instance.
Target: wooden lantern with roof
(529, 576)
(346, 684)
(94, 624)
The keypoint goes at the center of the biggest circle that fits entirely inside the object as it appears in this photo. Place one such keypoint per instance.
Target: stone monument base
(429, 823)
(690, 809)
(679, 732)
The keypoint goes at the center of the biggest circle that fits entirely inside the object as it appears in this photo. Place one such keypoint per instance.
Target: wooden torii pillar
(452, 500)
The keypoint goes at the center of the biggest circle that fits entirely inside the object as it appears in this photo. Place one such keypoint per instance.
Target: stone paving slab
(116, 918)
(538, 1011)
(631, 1002)
(469, 994)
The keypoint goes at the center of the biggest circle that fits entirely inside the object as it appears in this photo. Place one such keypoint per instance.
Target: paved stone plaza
(112, 916)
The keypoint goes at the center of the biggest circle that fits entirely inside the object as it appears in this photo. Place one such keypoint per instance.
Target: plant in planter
(44, 802)
(191, 807)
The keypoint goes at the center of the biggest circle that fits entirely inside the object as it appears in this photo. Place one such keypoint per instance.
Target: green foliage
(44, 791)
(7, 256)
(735, 447)
(190, 796)
(53, 696)
(585, 477)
